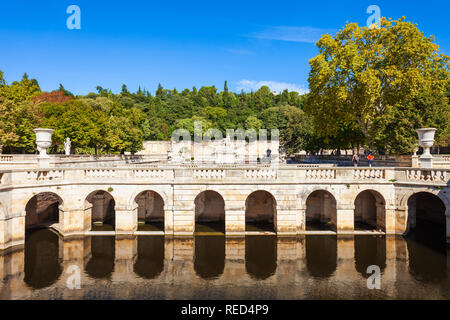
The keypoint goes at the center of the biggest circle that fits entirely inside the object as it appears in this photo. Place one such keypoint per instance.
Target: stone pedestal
(126, 220)
(345, 219)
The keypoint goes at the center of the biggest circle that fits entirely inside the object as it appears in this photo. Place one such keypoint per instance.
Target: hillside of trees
(368, 87)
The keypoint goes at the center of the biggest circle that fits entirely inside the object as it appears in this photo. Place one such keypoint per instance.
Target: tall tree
(375, 80)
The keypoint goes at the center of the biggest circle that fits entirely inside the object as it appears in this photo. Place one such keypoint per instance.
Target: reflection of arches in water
(321, 211)
(260, 211)
(42, 210)
(260, 256)
(209, 212)
(150, 258)
(369, 250)
(209, 256)
(150, 211)
(370, 211)
(102, 210)
(425, 263)
(42, 263)
(321, 255)
(426, 239)
(101, 263)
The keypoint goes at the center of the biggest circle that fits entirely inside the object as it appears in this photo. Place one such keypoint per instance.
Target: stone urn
(43, 142)
(426, 141)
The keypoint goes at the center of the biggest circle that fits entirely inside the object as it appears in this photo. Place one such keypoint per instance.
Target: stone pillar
(12, 232)
(234, 221)
(345, 218)
(168, 220)
(87, 217)
(401, 220)
(301, 220)
(71, 221)
(286, 223)
(183, 221)
(126, 219)
(390, 219)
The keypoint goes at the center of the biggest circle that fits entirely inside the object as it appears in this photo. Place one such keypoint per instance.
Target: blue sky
(181, 44)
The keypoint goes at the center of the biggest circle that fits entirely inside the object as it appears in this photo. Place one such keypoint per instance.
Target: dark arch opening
(369, 250)
(42, 211)
(260, 212)
(260, 256)
(209, 212)
(370, 211)
(321, 211)
(150, 211)
(103, 213)
(427, 237)
(101, 262)
(321, 255)
(42, 261)
(150, 256)
(209, 256)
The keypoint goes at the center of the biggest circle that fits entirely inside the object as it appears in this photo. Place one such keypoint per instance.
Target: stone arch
(100, 211)
(160, 191)
(260, 211)
(426, 219)
(321, 211)
(150, 210)
(370, 210)
(209, 212)
(43, 210)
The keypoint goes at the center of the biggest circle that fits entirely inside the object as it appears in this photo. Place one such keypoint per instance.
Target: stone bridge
(287, 197)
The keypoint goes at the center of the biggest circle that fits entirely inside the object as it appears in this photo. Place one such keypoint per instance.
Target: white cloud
(252, 85)
(292, 34)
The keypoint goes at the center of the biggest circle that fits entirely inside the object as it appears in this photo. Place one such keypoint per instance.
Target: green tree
(375, 80)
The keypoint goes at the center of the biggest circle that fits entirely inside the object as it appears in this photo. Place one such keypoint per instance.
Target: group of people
(370, 157)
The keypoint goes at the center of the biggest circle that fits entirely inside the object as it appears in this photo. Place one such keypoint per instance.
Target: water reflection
(150, 258)
(42, 262)
(321, 253)
(258, 267)
(369, 250)
(101, 262)
(209, 256)
(260, 256)
(428, 253)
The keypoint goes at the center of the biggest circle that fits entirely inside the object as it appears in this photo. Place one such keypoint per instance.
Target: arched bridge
(234, 200)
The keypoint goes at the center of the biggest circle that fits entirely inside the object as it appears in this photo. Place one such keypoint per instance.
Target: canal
(218, 267)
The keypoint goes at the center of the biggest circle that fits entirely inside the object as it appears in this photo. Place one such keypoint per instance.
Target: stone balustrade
(261, 174)
(328, 174)
(224, 175)
(369, 173)
(426, 175)
(209, 174)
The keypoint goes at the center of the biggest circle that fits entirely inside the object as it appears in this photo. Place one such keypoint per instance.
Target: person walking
(370, 158)
(355, 160)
